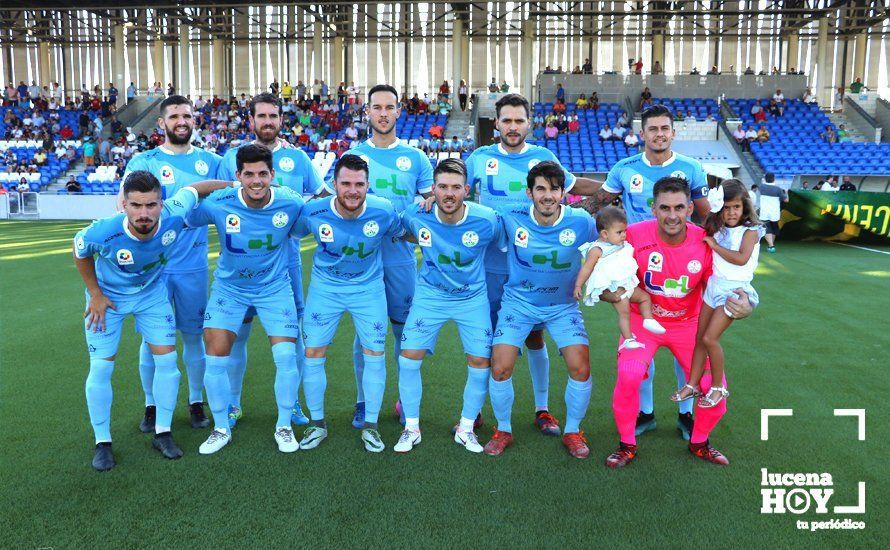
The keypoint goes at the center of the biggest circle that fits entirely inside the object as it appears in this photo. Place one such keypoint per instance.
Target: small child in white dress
(610, 274)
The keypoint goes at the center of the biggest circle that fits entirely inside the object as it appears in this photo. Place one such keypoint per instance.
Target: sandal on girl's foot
(706, 402)
(631, 343)
(684, 393)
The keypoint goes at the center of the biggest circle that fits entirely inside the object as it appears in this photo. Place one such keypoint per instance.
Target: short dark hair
(253, 152)
(352, 162)
(671, 184)
(141, 181)
(656, 111)
(769, 177)
(512, 100)
(383, 88)
(174, 100)
(451, 166)
(550, 171)
(264, 97)
(608, 216)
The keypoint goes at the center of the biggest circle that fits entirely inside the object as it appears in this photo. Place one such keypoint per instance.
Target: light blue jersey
(634, 178)
(175, 172)
(348, 253)
(398, 173)
(544, 260)
(253, 241)
(125, 265)
(501, 181)
(453, 254)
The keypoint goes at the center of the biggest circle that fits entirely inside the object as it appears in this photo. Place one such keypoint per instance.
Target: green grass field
(819, 341)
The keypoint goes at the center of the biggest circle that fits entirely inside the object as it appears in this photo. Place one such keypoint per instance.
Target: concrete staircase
(458, 124)
(839, 118)
(756, 169)
(73, 170)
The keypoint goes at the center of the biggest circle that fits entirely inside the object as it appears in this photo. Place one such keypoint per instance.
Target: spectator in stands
(847, 185)
(587, 68)
(631, 141)
(325, 91)
(829, 135)
(762, 134)
(605, 133)
(656, 68)
(694, 71)
(774, 108)
(750, 136)
(551, 131)
(581, 103)
(645, 99)
(505, 88)
(638, 66)
(779, 98)
(445, 89)
(749, 70)
(436, 131)
(538, 131)
(561, 124)
(131, 92)
(842, 134)
(623, 119)
(560, 93)
(72, 186)
(756, 108)
(577, 70)
(493, 86)
(23, 186)
(462, 94)
(574, 124)
(559, 107)
(839, 100)
(713, 70)
(830, 185)
(89, 151)
(105, 151)
(856, 86)
(710, 117)
(678, 116)
(689, 117)
(593, 102)
(809, 96)
(455, 145)
(170, 89)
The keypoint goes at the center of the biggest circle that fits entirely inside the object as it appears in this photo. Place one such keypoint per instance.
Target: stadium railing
(23, 205)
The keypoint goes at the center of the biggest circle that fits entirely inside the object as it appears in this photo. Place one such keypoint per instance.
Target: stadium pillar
(317, 49)
(337, 54)
(859, 56)
(218, 78)
(158, 61)
(117, 61)
(44, 62)
(457, 65)
(823, 72)
(527, 61)
(293, 49)
(793, 49)
(658, 49)
(184, 85)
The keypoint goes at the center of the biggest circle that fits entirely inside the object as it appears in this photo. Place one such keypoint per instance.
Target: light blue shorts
(718, 291)
(274, 306)
(154, 317)
(296, 285)
(430, 311)
(517, 319)
(495, 283)
(188, 294)
(326, 305)
(399, 281)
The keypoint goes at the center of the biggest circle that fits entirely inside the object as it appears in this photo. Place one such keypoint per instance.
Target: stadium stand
(700, 108)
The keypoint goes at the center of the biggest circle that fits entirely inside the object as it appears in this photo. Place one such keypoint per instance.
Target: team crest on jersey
(201, 168)
(168, 237)
(286, 164)
(124, 257)
(532, 163)
(636, 184)
(325, 233)
(233, 224)
(520, 239)
(403, 164)
(167, 175)
(371, 229)
(567, 237)
(656, 261)
(491, 167)
(78, 242)
(424, 237)
(470, 239)
(679, 174)
(694, 266)
(280, 219)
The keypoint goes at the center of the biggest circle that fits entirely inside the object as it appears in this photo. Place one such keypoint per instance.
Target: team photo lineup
(502, 254)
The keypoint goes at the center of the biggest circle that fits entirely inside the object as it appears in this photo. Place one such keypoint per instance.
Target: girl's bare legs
(699, 356)
(716, 326)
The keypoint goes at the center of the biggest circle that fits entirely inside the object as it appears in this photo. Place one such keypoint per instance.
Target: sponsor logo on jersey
(520, 238)
(371, 229)
(424, 237)
(679, 174)
(470, 239)
(201, 168)
(233, 224)
(286, 164)
(656, 261)
(636, 184)
(280, 219)
(325, 233)
(567, 237)
(491, 167)
(532, 163)
(124, 257)
(403, 164)
(168, 237)
(167, 175)
(694, 266)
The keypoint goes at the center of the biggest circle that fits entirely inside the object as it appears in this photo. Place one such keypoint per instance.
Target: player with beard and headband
(398, 173)
(293, 170)
(176, 163)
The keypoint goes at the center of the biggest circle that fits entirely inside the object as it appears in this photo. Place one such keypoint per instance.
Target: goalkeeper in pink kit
(674, 266)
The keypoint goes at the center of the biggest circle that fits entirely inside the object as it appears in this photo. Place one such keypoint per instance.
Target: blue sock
(216, 381)
(501, 394)
(99, 394)
(166, 387)
(301, 354)
(193, 357)
(287, 380)
(238, 363)
(410, 386)
(147, 373)
(684, 406)
(358, 362)
(315, 381)
(577, 401)
(374, 381)
(539, 368)
(397, 330)
(647, 404)
(475, 392)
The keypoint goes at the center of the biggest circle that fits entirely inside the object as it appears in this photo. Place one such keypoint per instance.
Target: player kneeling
(453, 237)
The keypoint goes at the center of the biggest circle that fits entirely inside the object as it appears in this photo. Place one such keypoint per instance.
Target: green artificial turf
(819, 341)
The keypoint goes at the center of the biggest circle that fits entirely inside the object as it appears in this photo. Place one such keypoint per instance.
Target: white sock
(653, 326)
(412, 424)
(466, 424)
(161, 429)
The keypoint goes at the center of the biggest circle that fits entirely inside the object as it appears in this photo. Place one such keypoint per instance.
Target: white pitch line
(861, 247)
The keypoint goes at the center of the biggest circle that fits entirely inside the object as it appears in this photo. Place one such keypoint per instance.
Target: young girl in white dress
(734, 234)
(609, 273)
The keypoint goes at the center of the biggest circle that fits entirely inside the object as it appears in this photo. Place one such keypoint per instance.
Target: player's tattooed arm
(595, 202)
(99, 302)
(204, 188)
(586, 187)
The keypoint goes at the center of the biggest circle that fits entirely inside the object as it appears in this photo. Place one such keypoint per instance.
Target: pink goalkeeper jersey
(673, 275)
